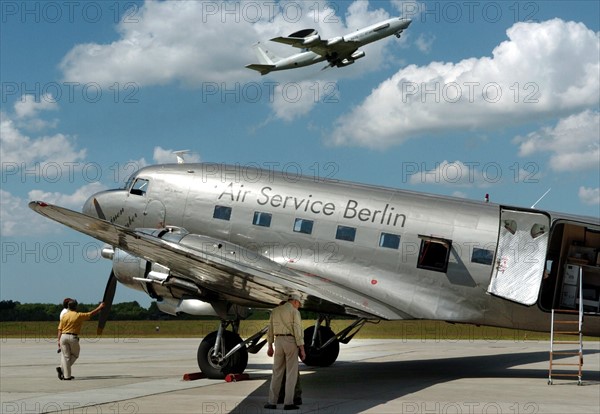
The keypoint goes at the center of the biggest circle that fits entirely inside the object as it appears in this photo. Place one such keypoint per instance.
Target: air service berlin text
(351, 210)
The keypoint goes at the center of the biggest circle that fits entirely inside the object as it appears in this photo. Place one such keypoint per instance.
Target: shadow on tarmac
(353, 387)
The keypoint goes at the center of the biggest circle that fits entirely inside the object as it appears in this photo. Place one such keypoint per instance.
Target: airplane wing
(229, 270)
(338, 46)
(299, 42)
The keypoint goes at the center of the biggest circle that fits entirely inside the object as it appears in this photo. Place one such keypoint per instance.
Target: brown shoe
(60, 373)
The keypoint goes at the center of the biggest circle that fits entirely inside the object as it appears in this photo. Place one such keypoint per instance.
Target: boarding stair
(567, 322)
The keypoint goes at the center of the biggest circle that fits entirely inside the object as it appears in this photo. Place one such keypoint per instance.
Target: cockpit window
(139, 187)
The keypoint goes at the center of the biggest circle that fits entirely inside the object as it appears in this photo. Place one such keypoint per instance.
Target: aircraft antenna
(180, 155)
(540, 199)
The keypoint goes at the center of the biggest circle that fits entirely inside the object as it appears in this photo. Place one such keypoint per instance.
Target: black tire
(324, 357)
(235, 364)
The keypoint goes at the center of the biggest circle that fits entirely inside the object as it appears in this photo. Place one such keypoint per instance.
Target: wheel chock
(193, 376)
(236, 377)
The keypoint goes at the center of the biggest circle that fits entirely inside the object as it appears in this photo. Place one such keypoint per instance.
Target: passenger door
(520, 255)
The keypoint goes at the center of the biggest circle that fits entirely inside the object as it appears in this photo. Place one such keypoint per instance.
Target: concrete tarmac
(370, 376)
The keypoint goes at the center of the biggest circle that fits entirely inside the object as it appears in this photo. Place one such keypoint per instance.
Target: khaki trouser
(69, 345)
(285, 363)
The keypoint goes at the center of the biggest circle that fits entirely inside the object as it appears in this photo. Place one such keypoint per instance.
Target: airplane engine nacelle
(174, 292)
(126, 267)
(357, 55)
(334, 40)
(310, 40)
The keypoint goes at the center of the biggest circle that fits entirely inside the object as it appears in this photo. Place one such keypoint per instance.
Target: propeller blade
(99, 211)
(109, 295)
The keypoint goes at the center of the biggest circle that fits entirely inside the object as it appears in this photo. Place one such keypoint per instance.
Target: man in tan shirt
(285, 331)
(68, 337)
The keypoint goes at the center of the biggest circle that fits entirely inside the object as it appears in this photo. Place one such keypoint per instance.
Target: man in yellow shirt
(285, 331)
(68, 337)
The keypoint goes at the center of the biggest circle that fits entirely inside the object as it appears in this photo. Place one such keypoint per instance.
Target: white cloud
(193, 42)
(27, 107)
(529, 76)
(24, 151)
(460, 194)
(574, 142)
(293, 100)
(590, 196)
(424, 42)
(73, 201)
(207, 44)
(167, 156)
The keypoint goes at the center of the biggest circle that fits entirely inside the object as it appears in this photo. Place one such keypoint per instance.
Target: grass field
(415, 329)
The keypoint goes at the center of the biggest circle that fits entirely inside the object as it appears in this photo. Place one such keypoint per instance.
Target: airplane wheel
(324, 357)
(210, 365)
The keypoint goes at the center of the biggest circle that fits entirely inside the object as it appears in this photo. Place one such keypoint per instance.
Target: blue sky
(475, 98)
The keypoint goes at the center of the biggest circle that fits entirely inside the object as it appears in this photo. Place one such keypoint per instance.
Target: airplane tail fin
(265, 57)
(266, 60)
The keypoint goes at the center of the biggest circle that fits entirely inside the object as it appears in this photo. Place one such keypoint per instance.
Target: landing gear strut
(321, 345)
(215, 358)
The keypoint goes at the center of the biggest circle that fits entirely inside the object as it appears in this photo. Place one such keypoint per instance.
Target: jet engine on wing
(310, 40)
(356, 55)
(335, 40)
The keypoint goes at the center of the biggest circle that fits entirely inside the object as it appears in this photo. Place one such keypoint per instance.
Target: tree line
(13, 311)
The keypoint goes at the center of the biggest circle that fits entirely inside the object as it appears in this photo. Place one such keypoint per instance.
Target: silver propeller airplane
(212, 239)
(339, 51)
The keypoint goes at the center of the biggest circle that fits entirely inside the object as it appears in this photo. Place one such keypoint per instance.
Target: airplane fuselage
(370, 240)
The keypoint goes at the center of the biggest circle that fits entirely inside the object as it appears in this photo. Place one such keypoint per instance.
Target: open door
(520, 256)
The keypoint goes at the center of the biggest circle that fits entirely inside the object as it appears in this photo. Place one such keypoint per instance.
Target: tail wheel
(324, 357)
(212, 365)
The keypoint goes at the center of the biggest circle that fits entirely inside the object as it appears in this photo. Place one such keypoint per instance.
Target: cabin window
(482, 256)
(345, 233)
(261, 219)
(391, 241)
(140, 186)
(434, 253)
(222, 213)
(303, 226)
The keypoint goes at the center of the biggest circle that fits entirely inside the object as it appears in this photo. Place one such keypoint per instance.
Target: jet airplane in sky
(338, 51)
(213, 239)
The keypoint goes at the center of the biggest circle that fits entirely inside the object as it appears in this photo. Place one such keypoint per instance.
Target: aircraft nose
(87, 207)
